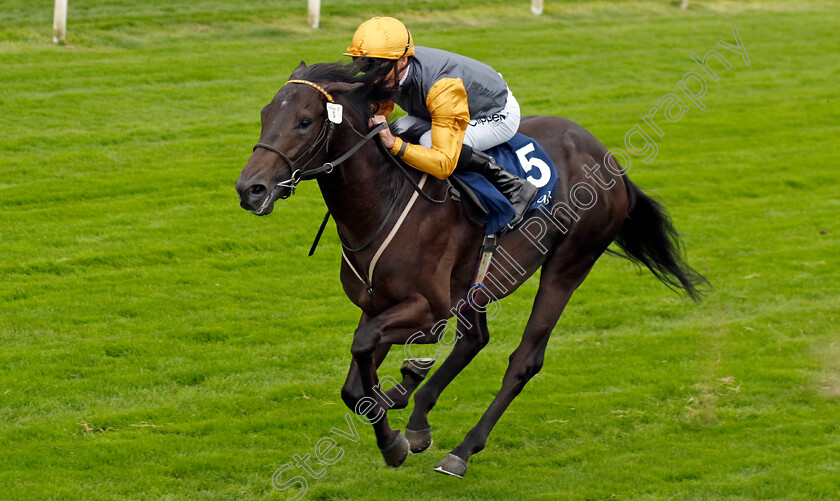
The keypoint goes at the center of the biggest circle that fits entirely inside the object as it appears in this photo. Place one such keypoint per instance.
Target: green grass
(158, 342)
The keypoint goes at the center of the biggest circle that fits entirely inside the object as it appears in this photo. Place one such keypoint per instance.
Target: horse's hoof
(452, 465)
(396, 453)
(419, 440)
(418, 366)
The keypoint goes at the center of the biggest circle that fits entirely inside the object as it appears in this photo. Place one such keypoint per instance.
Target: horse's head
(296, 132)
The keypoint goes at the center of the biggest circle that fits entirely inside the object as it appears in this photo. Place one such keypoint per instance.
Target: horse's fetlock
(474, 441)
(478, 447)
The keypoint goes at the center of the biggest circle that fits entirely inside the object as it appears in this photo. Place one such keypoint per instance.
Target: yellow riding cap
(382, 37)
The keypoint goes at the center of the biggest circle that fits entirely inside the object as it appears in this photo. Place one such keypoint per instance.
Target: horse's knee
(350, 397)
(364, 344)
(353, 390)
(362, 352)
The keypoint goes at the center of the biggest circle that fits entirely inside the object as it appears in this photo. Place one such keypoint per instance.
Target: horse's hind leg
(418, 431)
(413, 371)
(525, 362)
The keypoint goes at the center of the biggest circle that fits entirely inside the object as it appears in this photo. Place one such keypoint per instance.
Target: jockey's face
(396, 73)
(396, 70)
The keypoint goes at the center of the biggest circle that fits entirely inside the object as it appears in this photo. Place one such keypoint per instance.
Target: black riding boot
(520, 192)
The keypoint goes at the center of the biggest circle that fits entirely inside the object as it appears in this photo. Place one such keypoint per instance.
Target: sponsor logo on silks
(545, 198)
(495, 117)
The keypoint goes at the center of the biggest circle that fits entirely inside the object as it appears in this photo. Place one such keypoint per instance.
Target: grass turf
(158, 342)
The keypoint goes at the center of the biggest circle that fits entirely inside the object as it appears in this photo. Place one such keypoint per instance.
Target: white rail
(314, 13)
(60, 21)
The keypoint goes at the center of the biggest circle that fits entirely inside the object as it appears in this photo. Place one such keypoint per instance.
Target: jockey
(456, 108)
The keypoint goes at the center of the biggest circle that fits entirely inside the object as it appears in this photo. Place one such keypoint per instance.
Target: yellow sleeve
(447, 104)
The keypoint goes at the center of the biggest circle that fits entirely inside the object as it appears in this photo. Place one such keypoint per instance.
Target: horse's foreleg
(399, 321)
(467, 346)
(353, 391)
(397, 396)
(400, 393)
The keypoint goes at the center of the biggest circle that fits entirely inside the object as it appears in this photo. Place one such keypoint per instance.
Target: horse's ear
(300, 67)
(341, 87)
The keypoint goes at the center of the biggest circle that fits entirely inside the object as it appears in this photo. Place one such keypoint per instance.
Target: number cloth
(521, 156)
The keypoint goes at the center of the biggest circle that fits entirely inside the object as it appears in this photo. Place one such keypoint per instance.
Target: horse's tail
(648, 237)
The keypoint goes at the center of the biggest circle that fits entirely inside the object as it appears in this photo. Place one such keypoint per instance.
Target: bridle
(320, 143)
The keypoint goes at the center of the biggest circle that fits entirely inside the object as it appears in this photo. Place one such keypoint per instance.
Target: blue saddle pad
(521, 156)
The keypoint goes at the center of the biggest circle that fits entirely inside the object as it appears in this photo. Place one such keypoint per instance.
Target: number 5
(531, 164)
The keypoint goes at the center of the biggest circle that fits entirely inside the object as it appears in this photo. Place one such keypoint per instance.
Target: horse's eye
(304, 123)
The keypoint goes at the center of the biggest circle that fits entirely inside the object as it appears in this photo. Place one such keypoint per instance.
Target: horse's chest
(388, 287)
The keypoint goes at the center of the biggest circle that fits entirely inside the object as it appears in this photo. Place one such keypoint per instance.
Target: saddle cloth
(521, 156)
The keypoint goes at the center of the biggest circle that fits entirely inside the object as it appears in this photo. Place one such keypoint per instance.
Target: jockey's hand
(388, 139)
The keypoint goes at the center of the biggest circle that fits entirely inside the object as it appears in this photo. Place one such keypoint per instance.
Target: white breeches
(482, 134)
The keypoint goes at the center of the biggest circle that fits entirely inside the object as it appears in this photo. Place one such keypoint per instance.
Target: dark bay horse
(425, 250)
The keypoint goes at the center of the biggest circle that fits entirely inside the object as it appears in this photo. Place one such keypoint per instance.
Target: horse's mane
(365, 97)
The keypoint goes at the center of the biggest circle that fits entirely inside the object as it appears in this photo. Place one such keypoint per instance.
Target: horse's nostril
(256, 189)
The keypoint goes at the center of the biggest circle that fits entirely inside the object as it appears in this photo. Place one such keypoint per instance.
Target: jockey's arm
(447, 104)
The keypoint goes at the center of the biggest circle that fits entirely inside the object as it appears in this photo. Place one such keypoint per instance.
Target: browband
(314, 86)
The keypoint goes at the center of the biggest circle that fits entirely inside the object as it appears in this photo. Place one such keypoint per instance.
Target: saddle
(475, 210)
(484, 205)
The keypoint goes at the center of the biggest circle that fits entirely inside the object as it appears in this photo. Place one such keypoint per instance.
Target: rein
(298, 174)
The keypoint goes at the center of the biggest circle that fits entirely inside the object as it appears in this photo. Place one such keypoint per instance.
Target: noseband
(320, 143)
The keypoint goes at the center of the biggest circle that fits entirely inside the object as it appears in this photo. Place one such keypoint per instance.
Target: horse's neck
(359, 193)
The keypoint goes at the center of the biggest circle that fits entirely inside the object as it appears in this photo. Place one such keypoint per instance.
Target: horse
(410, 281)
